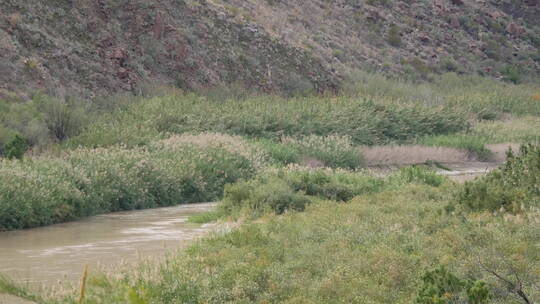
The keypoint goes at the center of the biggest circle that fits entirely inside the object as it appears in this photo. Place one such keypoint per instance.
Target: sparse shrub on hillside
(514, 187)
(379, 2)
(296, 85)
(492, 49)
(449, 65)
(535, 39)
(31, 64)
(394, 36)
(14, 19)
(420, 66)
(512, 74)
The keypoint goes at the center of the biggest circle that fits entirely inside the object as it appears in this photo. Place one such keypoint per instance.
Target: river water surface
(46, 255)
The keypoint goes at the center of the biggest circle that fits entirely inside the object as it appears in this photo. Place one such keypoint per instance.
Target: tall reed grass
(364, 121)
(82, 182)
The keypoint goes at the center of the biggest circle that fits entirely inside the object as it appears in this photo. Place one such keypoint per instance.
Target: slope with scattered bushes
(88, 48)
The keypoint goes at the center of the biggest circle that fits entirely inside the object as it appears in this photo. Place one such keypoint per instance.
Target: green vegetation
(294, 188)
(473, 144)
(274, 116)
(16, 147)
(313, 224)
(43, 120)
(103, 156)
(364, 121)
(514, 187)
(396, 242)
(329, 151)
(441, 286)
(519, 130)
(394, 37)
(83, 182)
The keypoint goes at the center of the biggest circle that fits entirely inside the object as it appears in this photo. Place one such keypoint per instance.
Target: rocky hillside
(95, 47)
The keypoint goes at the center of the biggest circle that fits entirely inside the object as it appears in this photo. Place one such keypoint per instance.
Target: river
(46, 255)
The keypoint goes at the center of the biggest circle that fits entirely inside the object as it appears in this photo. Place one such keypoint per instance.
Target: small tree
(16, 147)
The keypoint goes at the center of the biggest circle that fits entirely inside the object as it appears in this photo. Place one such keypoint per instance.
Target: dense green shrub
(275, 195)
(332, 151)
(16, 147)
(394, 37)
(295, 187)
(440, 286)
(512, 187)
(512, 74)
(84, 182)
(63, 118)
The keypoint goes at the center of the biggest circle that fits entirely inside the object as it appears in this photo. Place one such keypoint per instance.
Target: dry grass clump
(412, 154)
(230, 143)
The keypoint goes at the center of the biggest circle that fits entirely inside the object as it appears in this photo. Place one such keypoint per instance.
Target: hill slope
(91, 48)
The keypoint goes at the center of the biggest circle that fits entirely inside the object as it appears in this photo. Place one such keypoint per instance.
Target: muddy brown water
(46, 255)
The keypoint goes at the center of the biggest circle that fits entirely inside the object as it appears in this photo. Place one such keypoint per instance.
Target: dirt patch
(499, 150)
(412, 154)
